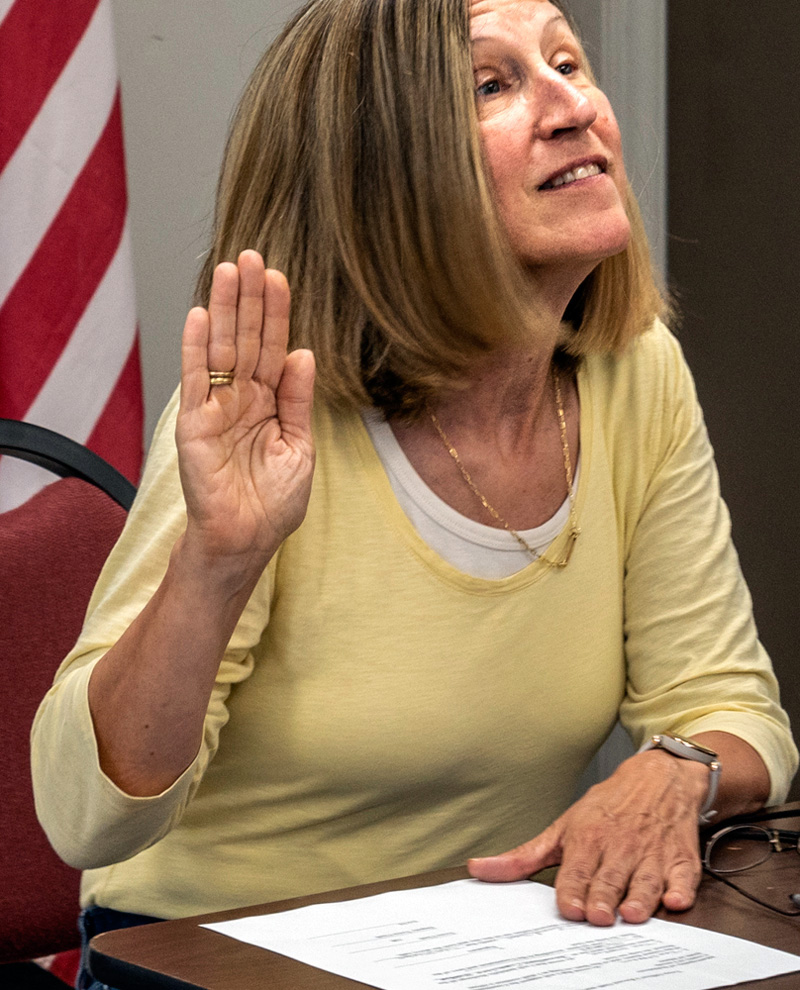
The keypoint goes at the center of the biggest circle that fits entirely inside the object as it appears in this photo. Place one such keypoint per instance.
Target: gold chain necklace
(574, 529)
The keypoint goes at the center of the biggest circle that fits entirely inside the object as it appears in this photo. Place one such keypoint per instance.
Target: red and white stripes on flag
(69, 351)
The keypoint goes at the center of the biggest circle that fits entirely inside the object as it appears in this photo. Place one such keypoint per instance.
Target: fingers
(222, 310)
(594, 886)
(275, 328)
(250, 314)
(246, 328)
(573, 887)
(194, 359)
(236, 313)
(645, 891)
(682, 883)
(591, 887)
(519, 863)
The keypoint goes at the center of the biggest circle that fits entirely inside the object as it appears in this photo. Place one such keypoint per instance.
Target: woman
(295, 678)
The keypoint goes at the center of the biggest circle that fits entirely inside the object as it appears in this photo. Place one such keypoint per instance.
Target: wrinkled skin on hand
(629, 845)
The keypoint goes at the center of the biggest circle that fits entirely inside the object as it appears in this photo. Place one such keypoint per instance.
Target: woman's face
(549, 135)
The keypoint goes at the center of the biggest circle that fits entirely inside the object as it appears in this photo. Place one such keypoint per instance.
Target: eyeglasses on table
(738, 848)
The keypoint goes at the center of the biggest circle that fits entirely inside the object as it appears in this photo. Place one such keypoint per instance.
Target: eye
(490, 87)
(494, 79)
(567, 67)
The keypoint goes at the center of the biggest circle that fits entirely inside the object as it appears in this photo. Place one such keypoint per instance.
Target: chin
(618, 239)
(579, 253)
(612, 237)
(559, 276)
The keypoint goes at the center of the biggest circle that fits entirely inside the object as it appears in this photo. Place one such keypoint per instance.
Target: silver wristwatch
(687, 750)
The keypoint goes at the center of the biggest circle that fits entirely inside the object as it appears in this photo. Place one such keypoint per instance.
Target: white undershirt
(472, 547)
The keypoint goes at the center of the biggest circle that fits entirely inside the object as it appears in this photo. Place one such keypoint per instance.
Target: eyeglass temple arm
(756, 818)
(776, 834)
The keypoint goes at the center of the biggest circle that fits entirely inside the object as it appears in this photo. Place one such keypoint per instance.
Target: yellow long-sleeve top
(379, 713)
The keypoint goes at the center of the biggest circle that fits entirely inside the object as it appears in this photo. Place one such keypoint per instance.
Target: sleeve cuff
(89, 820)
(772, 743)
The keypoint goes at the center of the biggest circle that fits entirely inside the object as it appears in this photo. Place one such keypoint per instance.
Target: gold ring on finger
(220, 378)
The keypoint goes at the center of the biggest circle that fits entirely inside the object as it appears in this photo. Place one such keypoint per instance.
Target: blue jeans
(95, 920)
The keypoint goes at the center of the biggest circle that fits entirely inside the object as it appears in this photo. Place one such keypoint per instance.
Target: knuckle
(648, 883)
(612, 878)
(688, 860)
(523, 852)
(688, 871)
(575, 874)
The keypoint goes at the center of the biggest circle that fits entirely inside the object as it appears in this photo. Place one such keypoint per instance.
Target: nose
(563, 108)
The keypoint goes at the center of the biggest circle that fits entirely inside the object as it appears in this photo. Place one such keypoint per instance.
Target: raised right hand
(245, 450)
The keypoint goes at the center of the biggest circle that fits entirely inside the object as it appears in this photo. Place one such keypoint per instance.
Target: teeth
(564, 180)
(581, 172)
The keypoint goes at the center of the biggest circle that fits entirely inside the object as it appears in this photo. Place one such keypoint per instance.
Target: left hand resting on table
(629, 844)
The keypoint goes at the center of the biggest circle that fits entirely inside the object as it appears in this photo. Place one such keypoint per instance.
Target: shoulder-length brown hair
(354, 165)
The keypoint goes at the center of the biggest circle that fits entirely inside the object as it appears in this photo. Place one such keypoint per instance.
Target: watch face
(690, 745)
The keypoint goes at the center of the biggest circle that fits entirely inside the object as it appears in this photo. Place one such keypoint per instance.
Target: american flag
(69, 349)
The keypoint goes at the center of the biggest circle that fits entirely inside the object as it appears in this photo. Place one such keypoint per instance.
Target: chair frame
(64, 457)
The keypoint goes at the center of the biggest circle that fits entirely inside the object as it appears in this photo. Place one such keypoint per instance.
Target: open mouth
(573, 175)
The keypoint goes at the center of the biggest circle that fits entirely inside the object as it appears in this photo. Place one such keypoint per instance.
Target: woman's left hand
(627, 846)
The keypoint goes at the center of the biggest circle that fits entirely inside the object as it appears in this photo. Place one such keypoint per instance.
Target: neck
(502, 398)
(508, 385)
(553, 286)
(506, 392)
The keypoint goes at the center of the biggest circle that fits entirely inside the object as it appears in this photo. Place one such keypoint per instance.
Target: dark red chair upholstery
(51, 551)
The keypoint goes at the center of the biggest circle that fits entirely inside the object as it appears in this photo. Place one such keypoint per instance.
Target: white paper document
(480, 936)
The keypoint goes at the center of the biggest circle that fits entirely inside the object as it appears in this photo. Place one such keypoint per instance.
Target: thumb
(295, 395)
(519, 863)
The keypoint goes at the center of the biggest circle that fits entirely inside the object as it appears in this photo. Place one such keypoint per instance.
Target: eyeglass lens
(741, 849)
(738, 848)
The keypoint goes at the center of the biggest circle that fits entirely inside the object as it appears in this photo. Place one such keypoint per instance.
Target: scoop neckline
(381, 488)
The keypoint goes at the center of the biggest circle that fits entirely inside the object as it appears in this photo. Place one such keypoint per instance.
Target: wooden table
(179, 955)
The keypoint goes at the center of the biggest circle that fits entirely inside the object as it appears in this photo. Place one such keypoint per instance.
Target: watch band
(685, 749)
